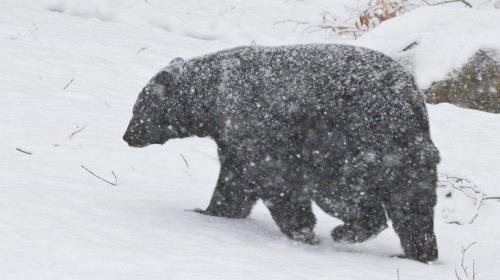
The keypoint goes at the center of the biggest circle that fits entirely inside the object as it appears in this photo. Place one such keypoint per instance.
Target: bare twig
(313, 28)
(461, 189)
(185, 161)
(449, 1)
(68, 84)
(477, 206)
(473, 269)
(97, 176)
(23, 151)
(296, 22)
(466, 3)
(473, 218)
(116, 179)
(473, 187)
(491, 197)
(469, 275)
(410, 46)
(77, 131)
(141, 50)
(469, 189)
(397, 272)
(479, 203)
(291, 21)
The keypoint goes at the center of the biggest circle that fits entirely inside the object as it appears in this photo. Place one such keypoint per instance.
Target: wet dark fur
(342, 126)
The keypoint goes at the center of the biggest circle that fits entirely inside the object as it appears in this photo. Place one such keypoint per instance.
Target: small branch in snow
(296, 22)
(397, 272)
(462, 180)
(338, 29)
(449, 1)
(291, 21)
(114, 176)
(410, 46)
(185, 161)
(479, 203)
(491, 197)
(312, 28)
(141, 50)
(466, 3)
(69, 83)
(465, 272)
(460, 188)
(469, 189)
(97, 176)
(23, 151)
(78, 130)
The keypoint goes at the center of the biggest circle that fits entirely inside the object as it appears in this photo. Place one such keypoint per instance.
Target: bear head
(159, 112)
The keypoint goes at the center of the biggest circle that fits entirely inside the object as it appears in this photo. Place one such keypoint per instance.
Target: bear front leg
(232, 197)
(293, 215)
(230, 200)
(412, 215)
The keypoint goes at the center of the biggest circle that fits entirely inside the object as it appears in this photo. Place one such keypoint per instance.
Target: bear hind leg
(293, 214)
(370, 222)
(363, 219)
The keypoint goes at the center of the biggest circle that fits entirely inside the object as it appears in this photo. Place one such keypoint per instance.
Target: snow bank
(446, 38)
(233, 22)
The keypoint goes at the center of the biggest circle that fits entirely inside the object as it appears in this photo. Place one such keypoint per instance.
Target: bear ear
(164, 78)
(176, 60)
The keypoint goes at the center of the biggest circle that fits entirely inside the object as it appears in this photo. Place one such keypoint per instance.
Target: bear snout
(132, 139)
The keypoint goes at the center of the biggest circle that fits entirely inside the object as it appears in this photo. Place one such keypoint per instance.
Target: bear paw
(306, 236)
(232, 214)
(348, 233)
(426, 260)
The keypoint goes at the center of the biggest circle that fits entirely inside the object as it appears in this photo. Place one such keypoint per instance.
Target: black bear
(343, 126)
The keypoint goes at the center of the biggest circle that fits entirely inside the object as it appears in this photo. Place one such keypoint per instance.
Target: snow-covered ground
(68, 65)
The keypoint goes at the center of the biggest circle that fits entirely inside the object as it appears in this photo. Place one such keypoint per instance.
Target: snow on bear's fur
(342, 126)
